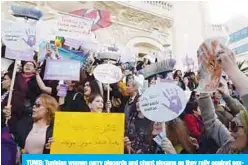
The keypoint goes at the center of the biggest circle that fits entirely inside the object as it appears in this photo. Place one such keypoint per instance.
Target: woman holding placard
(16, 102)
(34, 134)
(234, 140)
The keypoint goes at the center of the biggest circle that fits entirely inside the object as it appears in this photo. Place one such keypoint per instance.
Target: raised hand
(31, 38)
(7, 112)
(175, 104)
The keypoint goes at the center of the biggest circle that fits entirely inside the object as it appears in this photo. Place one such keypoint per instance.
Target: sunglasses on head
(234, 126)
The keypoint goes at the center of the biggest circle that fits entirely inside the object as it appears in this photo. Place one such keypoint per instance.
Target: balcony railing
(159, 8)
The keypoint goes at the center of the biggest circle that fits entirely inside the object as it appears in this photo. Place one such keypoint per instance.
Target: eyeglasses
(234, 126)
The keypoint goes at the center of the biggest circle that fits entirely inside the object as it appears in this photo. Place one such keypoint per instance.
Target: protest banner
(107, 73)
(88, 133)
(27, 55)
(19, 35)
(163, 102)
(73, 26)
(62, 70)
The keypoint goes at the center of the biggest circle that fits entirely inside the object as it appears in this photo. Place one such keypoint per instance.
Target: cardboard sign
(62, 70)
(107, 73)
(73, 26)
(27, 55)
(163, 102)
(19, 36)
(88, 133)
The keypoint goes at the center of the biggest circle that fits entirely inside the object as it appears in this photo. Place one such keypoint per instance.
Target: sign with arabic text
(19, 35)
(163, 102)
(107, 73)
(99, 133)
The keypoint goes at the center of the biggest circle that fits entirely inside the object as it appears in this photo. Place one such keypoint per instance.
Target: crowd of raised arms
(211, 122)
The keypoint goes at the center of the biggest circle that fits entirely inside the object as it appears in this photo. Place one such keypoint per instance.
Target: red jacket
(193, 125)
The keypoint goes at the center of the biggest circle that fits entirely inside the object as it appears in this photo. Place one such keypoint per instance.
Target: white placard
(19, 36)
(107, 73)
(73, 26)
(27, 55)
(163, 102)
(62, 70)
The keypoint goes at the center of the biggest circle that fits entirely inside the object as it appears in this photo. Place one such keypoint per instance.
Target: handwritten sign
(209, 71)
(62, 70)
(73, 26)
(27, 55)
(88, 133)
(19, 36)
(163, 102)
(107, 73)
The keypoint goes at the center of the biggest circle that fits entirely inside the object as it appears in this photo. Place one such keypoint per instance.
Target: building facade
(174, 28)
(238, 32)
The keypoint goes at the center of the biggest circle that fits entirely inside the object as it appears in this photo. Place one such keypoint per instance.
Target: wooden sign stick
(12, 86)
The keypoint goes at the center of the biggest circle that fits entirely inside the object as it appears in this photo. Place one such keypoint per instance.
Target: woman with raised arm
(235, 140)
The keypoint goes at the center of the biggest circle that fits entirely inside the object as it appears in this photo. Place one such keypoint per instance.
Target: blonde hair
(50, 104)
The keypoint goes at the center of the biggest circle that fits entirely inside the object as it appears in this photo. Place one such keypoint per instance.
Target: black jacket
(24, 127)
(74, 102)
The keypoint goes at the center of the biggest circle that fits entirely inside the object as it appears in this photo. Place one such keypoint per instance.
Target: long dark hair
(191, 107)
(95, 89)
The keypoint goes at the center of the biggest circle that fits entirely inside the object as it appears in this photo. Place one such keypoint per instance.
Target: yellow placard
(91, 133)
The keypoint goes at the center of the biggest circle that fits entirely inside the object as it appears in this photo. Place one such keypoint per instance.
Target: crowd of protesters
(210, 123)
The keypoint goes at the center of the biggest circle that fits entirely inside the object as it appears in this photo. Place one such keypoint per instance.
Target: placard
(72, 43)
(209, 70)
(73, 26)
(88, 133)
(62, 70)
(19, 35)
(62, 92)
(107, 73)
(163, 102)
(27, 55)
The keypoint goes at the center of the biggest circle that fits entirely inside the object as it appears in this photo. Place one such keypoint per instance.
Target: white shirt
(35, 140)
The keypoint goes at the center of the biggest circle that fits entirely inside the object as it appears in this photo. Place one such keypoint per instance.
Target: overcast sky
(221, 11)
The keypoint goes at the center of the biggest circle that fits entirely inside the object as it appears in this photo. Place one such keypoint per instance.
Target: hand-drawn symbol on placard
(31, 37)
(163, 102)
(175, 104)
